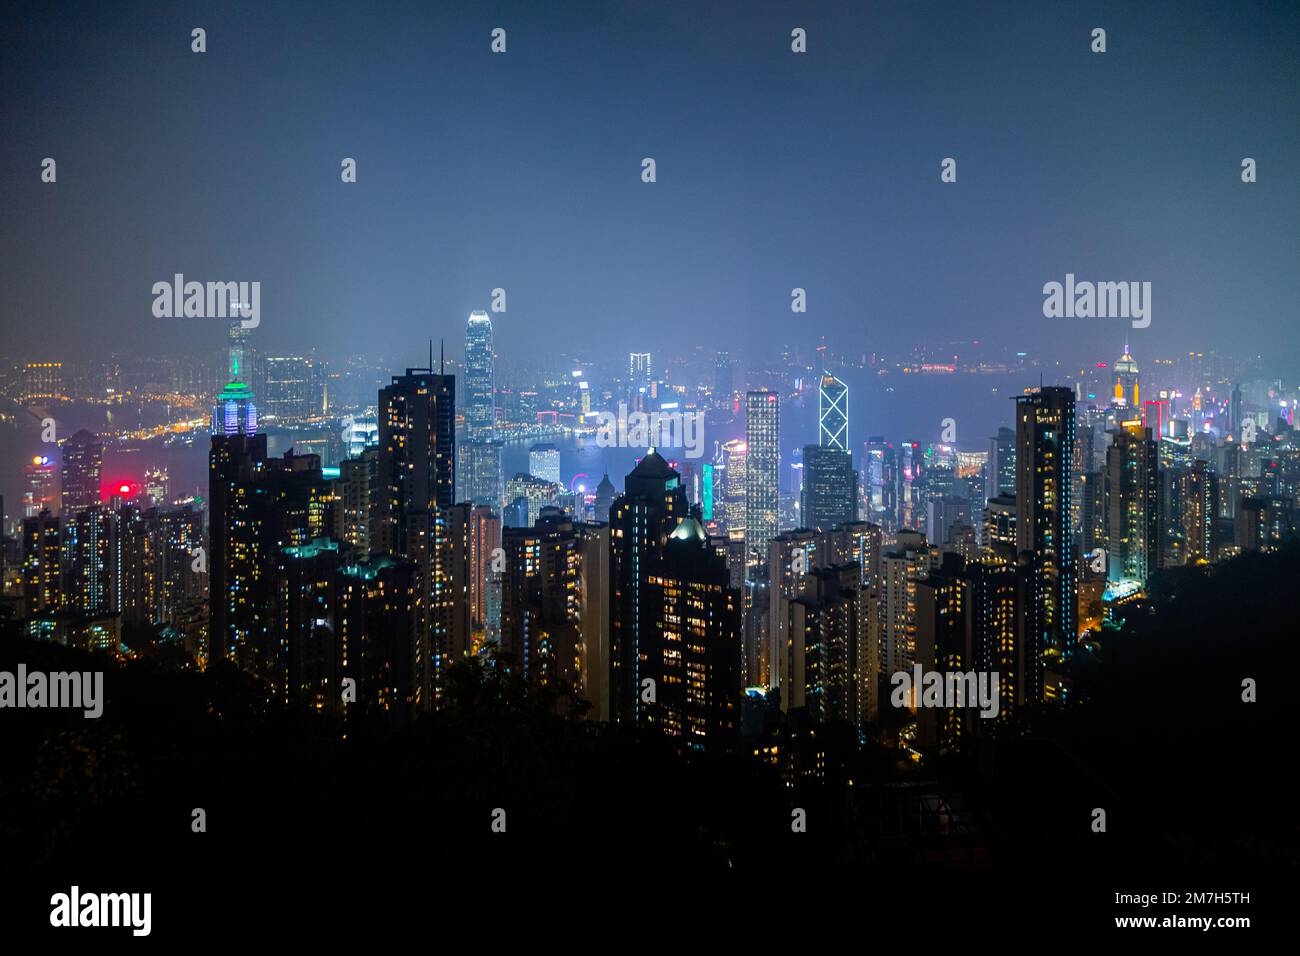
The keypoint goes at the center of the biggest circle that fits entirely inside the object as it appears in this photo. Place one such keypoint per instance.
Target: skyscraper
(544, 462)
(83, 459)
(1044, 449)
(290, 382)
(652, 505)
(638, 369)
(1000, 478)
(830, 488)
(762, 471)
(1132, 505)
(554, 606)
(690, 643)
(1199, 497)
(833, 417)
(420, 521)
(480, 379)
(724, 380)
(234, 412)
(1124, 379)
(417, 417)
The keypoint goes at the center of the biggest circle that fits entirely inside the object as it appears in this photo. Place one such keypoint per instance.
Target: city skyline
(621, 442)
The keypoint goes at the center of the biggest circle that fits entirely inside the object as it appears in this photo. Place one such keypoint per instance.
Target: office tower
(42, 571)
(1199, 500)
(833, 414)
(480, 379)
(724, 380)
(908, 562)
(555, 613)
(359, 433)
(1044, 449)
(605, 495)
(1132, 505)
(830, 488)
(41, 487)
(233, 463)
(880, 484)
(289, 390)
(83, 460)
(1124, 381)
(538, 492)
(790, 558)
(356, 513)
(690, 643)
(88, 540)
(762, 471)
(480, 472)
(485, 579)
(42, 383)
(638, 369)
(235, 412)
(821, 664)
(734, 470)
(544, 463)
(640, 521)
(1000, 478)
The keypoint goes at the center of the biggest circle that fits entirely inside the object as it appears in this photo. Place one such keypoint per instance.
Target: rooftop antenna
(430, 355)
(442, 356)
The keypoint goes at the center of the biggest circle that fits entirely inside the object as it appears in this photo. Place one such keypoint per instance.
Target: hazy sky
(775, 170)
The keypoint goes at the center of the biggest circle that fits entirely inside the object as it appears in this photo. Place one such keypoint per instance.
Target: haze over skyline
(774, 171)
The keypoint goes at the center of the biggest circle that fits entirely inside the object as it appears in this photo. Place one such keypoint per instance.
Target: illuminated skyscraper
(290, 381)
(544, 462)
(1000, 478)
(724, 380)
(652, 505)
(42, 564)
(830, 488)
(480, 379)
(235, 413)
(833, 418)
(1199, 498)
(1124, 381)
(1132, 505)
(762, 471)
(555, 606)
(1044, 449)
(83, 459)
(638, 369)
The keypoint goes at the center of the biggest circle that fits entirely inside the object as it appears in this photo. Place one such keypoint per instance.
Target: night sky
(775, 170)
